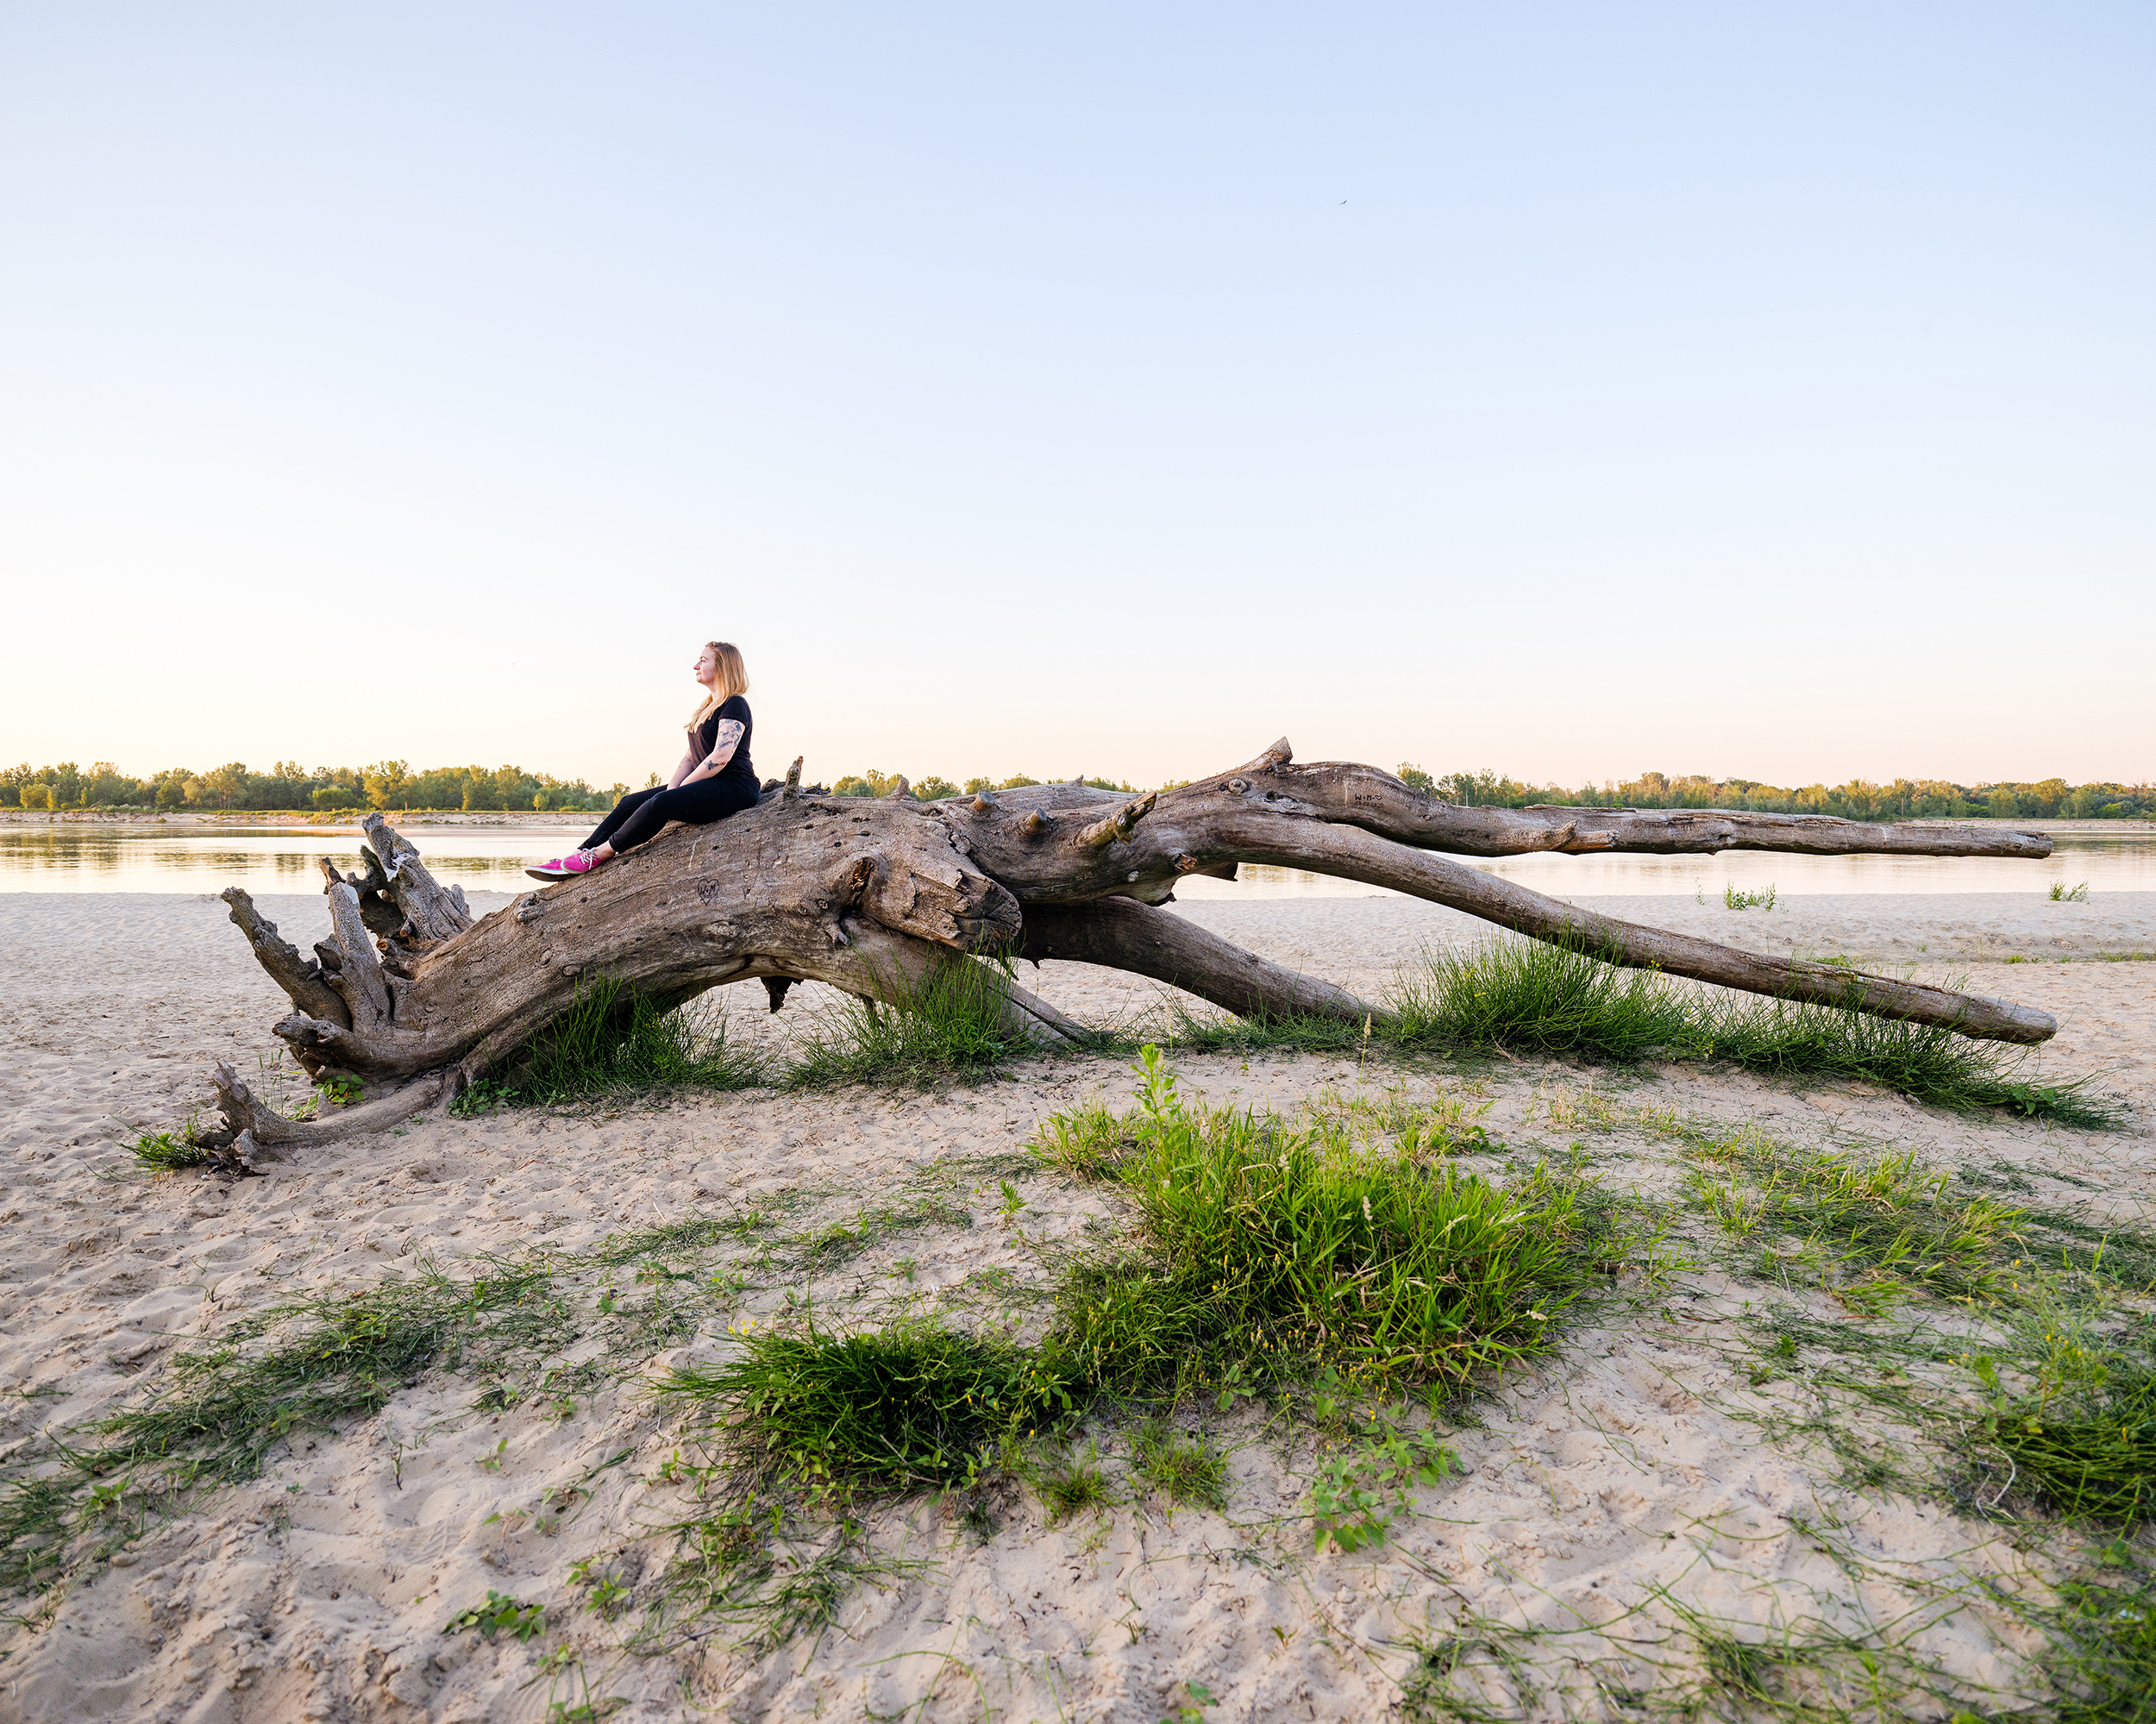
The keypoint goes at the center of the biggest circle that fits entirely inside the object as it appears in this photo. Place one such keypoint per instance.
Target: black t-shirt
(703, 737)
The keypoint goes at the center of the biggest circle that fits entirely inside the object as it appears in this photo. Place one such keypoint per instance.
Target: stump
(412, 994)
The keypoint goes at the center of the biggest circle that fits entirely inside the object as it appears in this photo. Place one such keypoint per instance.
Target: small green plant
(168, 1151)
(608, 1597)
(1183, 1466)
(1358, 1493)
(1012, 1203)
(1734, 899)
(2062, 894)
(1072, 1484)
(1190, 1709)
(340, 1089)
(500, 1614)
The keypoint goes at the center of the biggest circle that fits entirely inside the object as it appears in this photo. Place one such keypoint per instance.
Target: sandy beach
(1639, 1483)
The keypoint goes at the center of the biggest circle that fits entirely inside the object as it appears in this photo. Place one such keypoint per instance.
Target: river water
(63, 857)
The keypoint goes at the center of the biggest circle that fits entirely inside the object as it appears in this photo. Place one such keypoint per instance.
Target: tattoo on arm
(723, 744)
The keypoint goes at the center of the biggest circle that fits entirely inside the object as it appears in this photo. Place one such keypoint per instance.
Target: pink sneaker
(564, 867)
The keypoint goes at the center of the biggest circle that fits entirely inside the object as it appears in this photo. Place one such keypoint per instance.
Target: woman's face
(706, 667)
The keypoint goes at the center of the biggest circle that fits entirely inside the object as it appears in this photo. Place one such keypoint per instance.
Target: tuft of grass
(2062, 894)
(1534, 997)
(913, 1406)
(612, 1041)
(2082, 1438)
(950, 1026)
(1182, 1465)
(1734, 899)
(2104, 1662)
(2098, 1458)
(1072, 1484)
(1273, 1244)
(1180, 1027)
(168, 1151)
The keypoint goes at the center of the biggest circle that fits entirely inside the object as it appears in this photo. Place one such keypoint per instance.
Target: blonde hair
(732, 679)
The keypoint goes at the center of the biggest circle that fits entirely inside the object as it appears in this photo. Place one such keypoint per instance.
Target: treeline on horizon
(392, 785)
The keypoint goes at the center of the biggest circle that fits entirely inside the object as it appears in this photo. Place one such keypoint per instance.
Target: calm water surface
(62, 858)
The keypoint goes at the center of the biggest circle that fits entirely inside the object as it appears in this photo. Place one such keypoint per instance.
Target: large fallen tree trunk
(874, 897)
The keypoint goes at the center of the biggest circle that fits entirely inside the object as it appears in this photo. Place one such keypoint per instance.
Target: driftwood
(413, 995)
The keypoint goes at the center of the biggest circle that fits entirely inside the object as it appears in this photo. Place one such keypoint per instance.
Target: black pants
(640, 814)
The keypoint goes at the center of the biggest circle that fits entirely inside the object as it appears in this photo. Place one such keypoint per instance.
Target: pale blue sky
(1570, 390)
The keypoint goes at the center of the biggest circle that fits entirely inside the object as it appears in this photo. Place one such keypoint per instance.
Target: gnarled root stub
(412, 995)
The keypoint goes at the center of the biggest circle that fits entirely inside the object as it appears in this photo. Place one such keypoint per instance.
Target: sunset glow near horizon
(1572, 392)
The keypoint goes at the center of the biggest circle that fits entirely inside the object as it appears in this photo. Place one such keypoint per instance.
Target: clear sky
(1573, 389)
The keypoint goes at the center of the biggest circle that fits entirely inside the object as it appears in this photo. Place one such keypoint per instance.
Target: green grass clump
(1183, 1466)
(611, 1042)
(1273, 1244)
(2082, 1438)
(2104, 1662)
(168, 1151)
(2096, 1458)
(1734, 899)
(915, 1406)
(1530, 996)
(1071, 1484)
(2063, 893)
(949, 1026)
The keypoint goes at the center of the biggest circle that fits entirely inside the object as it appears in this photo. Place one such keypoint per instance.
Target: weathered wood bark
(874, 896)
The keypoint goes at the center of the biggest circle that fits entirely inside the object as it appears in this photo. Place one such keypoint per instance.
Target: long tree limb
(1121, 933)
(1260, 814)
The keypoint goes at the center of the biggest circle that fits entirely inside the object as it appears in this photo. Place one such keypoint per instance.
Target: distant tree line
(1927, 798)
(386, 784)
(393, 785)
(933, 788)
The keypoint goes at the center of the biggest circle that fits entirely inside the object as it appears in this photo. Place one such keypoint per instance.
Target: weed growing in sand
(1273, 1243)
(915, 1406)
(169, 1151)
(611, 1042)
(1534, 997)
(329, 1359)
(833, 1246)
(500, 1614)
(1182, 1465)
(2062, 894)
(1734, 899)
(745, 1565)
(1359, 1490)
(951, 1024)
(1070, 1483)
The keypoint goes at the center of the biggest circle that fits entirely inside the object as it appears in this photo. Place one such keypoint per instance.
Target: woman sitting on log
(714, 778)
